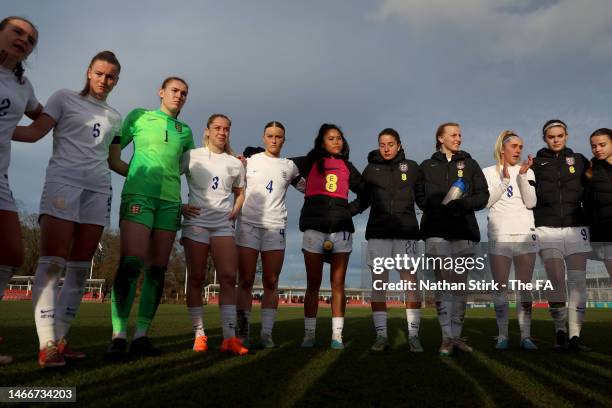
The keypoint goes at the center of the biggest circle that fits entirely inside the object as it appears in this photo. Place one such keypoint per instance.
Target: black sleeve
(587, 198)
(419, 189)
(357, 185)
(363, 200)
(303, 164)
(250, 150)
(479, 196)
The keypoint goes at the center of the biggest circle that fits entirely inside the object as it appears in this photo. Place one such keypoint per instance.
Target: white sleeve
(32, 102)
(527, 190)
(117, 126)
(55, 105)
(497, 187)
(239, 181)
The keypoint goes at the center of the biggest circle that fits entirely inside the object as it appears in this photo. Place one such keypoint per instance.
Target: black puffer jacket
(560, 187)
(601, 201)
(455, 220)
(389, 190)
(328, 214)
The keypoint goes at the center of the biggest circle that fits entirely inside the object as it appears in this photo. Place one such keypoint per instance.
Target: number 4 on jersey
(269, 187)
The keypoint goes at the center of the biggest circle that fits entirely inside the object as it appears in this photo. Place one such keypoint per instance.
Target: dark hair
(106, 56)
(390, 132)
(602, 132)
(274, 124)
(18, 70)
(318, 152)
(440, 130)
(554, 123)
(173, 78)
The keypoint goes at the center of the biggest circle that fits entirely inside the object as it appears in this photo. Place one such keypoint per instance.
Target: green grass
(290, 376)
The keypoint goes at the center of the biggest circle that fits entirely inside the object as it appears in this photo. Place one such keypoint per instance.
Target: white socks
(500, 303)
(576, 286)
(268, 316)
(228, 321)
(413, 317)
(195, 313)
(444, 306)
(70, 296)
(523, 314)
(44, 295)
(6, 272)
(310, 326)
(459, 305)
(337, 326)
(380, 323)
(559, 316)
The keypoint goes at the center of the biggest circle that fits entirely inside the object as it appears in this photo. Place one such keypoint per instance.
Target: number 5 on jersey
(96, 130)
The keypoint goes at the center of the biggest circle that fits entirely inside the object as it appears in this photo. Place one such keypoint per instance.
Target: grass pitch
(291, 376)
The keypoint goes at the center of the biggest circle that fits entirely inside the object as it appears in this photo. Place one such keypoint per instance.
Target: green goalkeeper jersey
(159, 142)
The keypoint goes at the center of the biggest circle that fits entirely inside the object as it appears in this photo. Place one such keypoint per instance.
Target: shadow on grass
(291, 376)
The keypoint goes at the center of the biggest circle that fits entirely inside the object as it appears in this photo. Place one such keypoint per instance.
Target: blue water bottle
(455, 192)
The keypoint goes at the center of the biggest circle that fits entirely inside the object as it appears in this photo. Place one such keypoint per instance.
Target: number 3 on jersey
(269, 187)
(215, 182)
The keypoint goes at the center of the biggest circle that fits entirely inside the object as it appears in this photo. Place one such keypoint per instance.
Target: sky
(364, 65)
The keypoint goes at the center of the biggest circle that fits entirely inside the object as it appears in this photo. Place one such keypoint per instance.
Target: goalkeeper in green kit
(150, 213)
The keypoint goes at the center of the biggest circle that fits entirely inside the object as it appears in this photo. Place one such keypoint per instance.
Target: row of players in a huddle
(75, 208)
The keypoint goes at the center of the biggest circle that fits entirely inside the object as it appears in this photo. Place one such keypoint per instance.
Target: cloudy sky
(365, 65)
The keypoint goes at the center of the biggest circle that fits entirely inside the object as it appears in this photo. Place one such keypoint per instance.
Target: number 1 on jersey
(269, 187)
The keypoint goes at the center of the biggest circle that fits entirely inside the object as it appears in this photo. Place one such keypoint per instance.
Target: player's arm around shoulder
(45, 120)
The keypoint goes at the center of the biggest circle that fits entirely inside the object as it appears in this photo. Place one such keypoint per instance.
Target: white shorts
(436, 246)
(389, 248)
(203, 234)
(260, 239)
(7, 203)
(76, 204)
(379, 249)
(313, 241)
(567, 240)
(513, 245)
(603, 250)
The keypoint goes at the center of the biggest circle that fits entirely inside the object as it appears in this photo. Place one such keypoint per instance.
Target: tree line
(106, 260)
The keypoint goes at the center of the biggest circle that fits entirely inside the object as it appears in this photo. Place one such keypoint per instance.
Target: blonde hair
(499, 143)
(227, 148)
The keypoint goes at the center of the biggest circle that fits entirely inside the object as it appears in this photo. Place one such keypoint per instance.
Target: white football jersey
(15, 100)
(508, 212)
(85, 127)
(267, 181)
(211, 178)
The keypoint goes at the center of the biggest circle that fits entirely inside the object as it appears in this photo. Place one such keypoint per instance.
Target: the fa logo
(135, 209)
(570, 161)
(403, 167)
(178, 127)
(461, 165)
